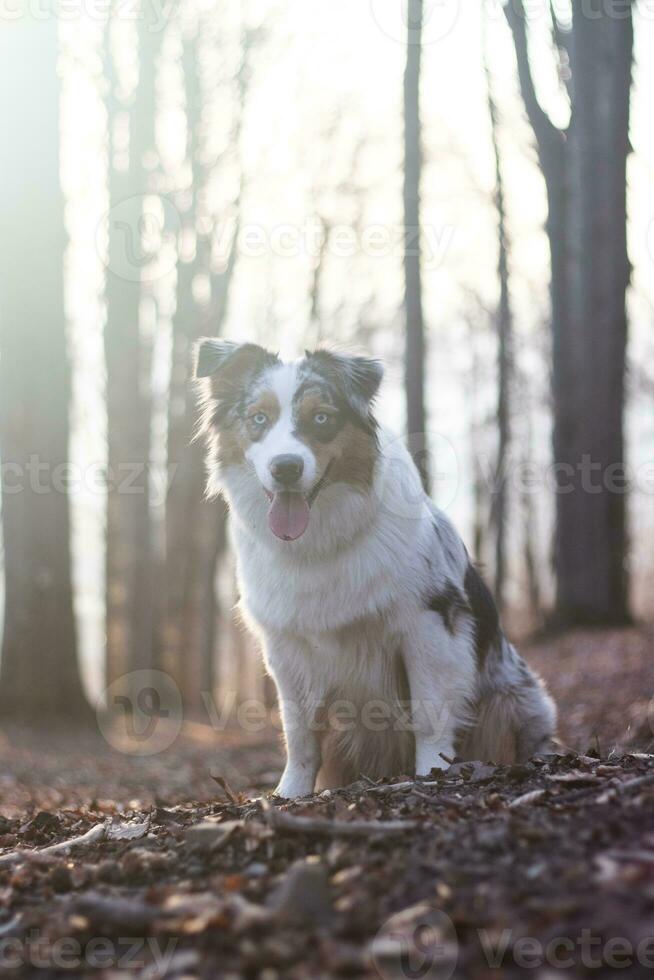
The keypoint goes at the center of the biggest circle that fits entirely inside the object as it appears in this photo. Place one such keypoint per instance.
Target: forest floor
(177, 865)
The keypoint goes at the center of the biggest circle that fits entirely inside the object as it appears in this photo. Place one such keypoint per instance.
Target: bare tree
(195, 527)
(476, 433)
(128, 359)
(40, 678)
(530, 536)
(585, 174)
(315, 288)
(504, 324)
(415, 327)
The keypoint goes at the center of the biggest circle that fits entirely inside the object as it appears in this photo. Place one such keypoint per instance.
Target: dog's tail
(513, 723)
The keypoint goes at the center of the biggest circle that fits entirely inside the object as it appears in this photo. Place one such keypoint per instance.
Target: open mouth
(290, 511)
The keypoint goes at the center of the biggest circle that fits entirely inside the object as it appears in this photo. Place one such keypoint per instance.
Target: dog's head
(297, 428)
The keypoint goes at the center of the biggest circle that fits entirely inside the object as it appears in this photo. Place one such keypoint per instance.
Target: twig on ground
(332, 828)
(400, 787)
(441, 802)
(93, 836)
(527, 798)
(367, 779)
(226, 788)
(389, 787)
(636, 783)
(612, 784)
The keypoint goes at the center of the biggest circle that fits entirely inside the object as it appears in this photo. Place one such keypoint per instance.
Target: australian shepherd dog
(383, 641)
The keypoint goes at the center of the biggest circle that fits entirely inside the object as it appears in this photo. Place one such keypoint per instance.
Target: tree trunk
(585, 174)
(415, 328)
(195, 527)
(530, 545)
(475, 432)
(40, 678)
(499, 512)
(591, 540)
(128, 358)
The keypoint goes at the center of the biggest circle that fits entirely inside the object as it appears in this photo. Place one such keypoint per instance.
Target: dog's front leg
(441, 671)
(298, 713)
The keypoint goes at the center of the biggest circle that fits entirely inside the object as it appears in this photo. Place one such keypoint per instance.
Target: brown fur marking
(356, 463)
(352, 452)
(235, 439)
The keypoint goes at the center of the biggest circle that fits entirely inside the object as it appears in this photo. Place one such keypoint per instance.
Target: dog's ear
(358, 377)
(364, 375)
(225, 362)
(211, 354)
(222, 367)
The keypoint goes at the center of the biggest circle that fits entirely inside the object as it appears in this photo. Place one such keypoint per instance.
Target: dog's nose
(287, 469)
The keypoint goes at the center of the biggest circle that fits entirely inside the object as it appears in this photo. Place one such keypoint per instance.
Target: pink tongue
(288, 516)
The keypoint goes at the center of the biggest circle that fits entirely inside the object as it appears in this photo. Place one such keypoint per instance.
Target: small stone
(303, 895)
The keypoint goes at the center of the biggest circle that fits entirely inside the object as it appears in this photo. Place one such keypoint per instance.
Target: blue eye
(321, 418)
(260, 418)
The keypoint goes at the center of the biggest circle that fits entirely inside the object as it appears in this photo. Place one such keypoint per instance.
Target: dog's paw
(294, 784)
